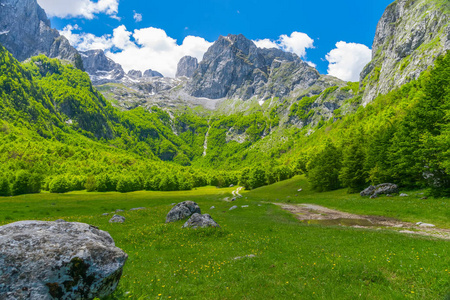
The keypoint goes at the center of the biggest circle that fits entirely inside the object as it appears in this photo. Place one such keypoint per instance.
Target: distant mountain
(25, 31)
(233, 67)
(187, 66)
(100, 68)
(410, 35)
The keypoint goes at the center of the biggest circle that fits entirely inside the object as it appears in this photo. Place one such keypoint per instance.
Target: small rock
(244, 206)
(60, 221)
(199, 220)
(137, 208)
(426, 225)
(226, 199)
(299, 190)
(233, 199)
(259, 205)
(182, 211)
(119, 210)
(398, 226)
(403, 195)
(233, 207)
(368, 191)
(117, 219)
(231, 185)
(374, 196)
(105, 214)
(212, 207)
(407, 231)
(388, 195)
(424, 198)
(173, 204)
(246, 256)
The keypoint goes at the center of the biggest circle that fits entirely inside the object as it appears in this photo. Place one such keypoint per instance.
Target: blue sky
(324, 22)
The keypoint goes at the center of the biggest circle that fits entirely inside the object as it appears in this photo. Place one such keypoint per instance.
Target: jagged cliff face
(100, 68)
(410, 36)
(25, 31)
(233, 67)
(187, 66)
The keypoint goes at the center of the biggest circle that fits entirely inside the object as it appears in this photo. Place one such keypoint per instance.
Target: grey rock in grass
(246, 256)
(233, 207)
(182, 211)
(199, 220)
(119, 210)
(384, 188)
(117, 219)
(374, 196)
(233, 199)
(244, 206)
(212, 207)
(105, 214)
(137, 208)
(50, 260)
(403, 195)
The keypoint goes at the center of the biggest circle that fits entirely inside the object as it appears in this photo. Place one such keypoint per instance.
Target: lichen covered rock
(57, 260)
(199, 220)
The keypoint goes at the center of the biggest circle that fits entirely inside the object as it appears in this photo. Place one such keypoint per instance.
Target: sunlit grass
(292, 260)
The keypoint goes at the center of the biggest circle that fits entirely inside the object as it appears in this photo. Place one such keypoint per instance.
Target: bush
(26, 183)
(5, 189)
(59, 184)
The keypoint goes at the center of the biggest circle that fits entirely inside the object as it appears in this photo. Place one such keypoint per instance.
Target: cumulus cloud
(296, 43)
(347, 60)
(80, 8)
(137, 17)
(142, 49)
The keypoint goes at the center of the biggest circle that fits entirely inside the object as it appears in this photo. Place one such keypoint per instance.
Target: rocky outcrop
(117, 219)
(25, 31)
(381, 189)
(199, 220)
(410, 35)
(100, 68)
(187, 66)
(57, 260)
(182, 211)
(135, 74)
(233, 67)
(150, 73)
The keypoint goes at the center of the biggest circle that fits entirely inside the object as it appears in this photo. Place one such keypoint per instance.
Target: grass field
(292, 260)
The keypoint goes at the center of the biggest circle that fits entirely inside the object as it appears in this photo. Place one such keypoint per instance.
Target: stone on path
(52, 260)
(425, 225)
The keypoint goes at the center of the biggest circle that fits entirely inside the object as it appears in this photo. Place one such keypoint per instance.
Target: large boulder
(182, 211)
(199, 220)
(57, 260)
(384, 188)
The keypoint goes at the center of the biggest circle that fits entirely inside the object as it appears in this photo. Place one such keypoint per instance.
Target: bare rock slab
(182, 211)
(50, 260)
(199, 220)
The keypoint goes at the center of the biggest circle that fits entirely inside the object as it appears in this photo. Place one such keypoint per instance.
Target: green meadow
(289, 259)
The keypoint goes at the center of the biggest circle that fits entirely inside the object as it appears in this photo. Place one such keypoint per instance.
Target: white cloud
(80, 8)
(296, 43)
(146, 48)
(311, 64)
(137, 17)
(347, 60)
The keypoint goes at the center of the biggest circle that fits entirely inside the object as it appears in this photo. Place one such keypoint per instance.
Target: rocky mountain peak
(100, 68)
(25, 31)
(151, 73)
(234, 67)
(187, 66)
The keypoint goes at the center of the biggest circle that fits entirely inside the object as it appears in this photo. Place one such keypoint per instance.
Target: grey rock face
(137, 208)
(384, 188)
(135, 74)
(187, 66)
(234, 67)
(150, 73)
(25, 31)
(117, 219)
(199, 220)
(49, 260)
(182, 210)
(410, 35)
(100, 68)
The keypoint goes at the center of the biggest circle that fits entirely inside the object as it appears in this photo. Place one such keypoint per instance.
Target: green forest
(59, 134)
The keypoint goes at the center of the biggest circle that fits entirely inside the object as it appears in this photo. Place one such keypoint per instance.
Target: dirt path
(316, 214)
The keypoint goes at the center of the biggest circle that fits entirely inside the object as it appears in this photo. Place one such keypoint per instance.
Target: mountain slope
(25, 31)
(410, 35)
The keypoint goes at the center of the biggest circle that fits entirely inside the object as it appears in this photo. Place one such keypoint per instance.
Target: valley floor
(262, 251)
